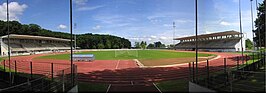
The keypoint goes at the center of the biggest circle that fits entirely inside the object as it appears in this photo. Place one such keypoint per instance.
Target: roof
(210, 35)
(83, 55)
(33, 37)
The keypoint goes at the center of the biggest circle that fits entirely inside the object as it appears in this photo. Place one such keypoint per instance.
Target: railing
(35, 79)
(247, 77)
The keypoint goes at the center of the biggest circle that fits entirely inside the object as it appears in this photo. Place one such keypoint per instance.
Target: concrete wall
(194, 88)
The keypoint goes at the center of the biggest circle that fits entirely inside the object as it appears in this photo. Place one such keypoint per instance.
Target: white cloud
(15, 10)
(80, 2)
(225, 23)
(87, 8)
(61, 26)
(97, 27)
(153, 37)
(163, 38)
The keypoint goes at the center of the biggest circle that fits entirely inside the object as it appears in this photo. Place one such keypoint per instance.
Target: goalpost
(126, 52)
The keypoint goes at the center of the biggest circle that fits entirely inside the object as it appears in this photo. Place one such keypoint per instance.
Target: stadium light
(240, 28)
(8, 40)
(174, 34)
(196, 23)
(258, 28)
(71, 43)
(252, 25)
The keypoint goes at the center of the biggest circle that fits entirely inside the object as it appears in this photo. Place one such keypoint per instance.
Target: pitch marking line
(117, 64)
(139, 63)
(108, 88)
(157, 87)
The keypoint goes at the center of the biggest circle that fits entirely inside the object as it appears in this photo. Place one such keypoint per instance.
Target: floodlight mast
(71, 43)
(8, 39)
(196, 24)
(252, 25)
(240, 28)
(174, 34)
(258, 30)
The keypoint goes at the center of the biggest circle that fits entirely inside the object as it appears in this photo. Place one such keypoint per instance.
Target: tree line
(155, 45)
(84, 41)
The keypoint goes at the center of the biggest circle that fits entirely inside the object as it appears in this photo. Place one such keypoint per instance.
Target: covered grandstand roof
(34, 37)
(210, 35)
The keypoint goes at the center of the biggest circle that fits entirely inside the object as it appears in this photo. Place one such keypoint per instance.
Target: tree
(100, 46)
(150, 45)
(84, 41)
(249, 44)
(157, 44)
(137, 45)
(143, 45)
(260, 26)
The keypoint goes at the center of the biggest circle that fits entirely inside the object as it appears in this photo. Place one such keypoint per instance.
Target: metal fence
(52, 78)
(248, 76)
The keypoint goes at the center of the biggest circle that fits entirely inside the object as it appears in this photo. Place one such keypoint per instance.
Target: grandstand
(221, 41)
(27, 44)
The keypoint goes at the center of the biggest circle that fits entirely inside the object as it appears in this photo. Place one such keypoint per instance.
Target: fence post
(31, 69)
(15, 67)
(193, 72)
(189, 67)
(208, 74)
(4, 65)
(10, 74)
(63, 80)
(237, 63)
(52, 71)
(225, 72)
(253, 57)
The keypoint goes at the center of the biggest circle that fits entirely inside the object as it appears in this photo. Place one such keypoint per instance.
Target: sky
(136, 20)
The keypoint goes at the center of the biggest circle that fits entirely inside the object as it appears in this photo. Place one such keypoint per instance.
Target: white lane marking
(139, 63)
(132, 83)
(116, 67)
(157, 87)
(108, 88)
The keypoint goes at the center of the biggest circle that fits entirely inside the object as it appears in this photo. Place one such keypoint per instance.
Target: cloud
(80, 2)
(225, 23)
(153, 37)
(15, 10)
(97, 27)
(163, 38)
(87, 8)
(61, 26)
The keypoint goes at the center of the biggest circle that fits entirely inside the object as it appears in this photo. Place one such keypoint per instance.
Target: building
(27, 44)
(221, 41)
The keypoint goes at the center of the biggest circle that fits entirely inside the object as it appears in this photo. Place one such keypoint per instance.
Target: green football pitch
(129, 54)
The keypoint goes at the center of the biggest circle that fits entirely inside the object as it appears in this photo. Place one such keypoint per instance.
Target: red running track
(121, 72)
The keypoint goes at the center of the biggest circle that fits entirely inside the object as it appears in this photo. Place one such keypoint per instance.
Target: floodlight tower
(71, 43)
(173, 34)
(258, 30)
(240, 28)
(8, 40)
(252, 24)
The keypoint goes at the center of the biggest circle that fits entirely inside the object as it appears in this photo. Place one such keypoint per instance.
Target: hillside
(84, 41)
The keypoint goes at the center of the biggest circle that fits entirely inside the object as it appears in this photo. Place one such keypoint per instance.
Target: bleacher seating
(210, 44)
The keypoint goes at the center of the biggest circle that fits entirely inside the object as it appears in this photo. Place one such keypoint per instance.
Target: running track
(121, 75)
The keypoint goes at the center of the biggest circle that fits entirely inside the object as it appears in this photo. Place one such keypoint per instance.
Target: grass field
(141, 54)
